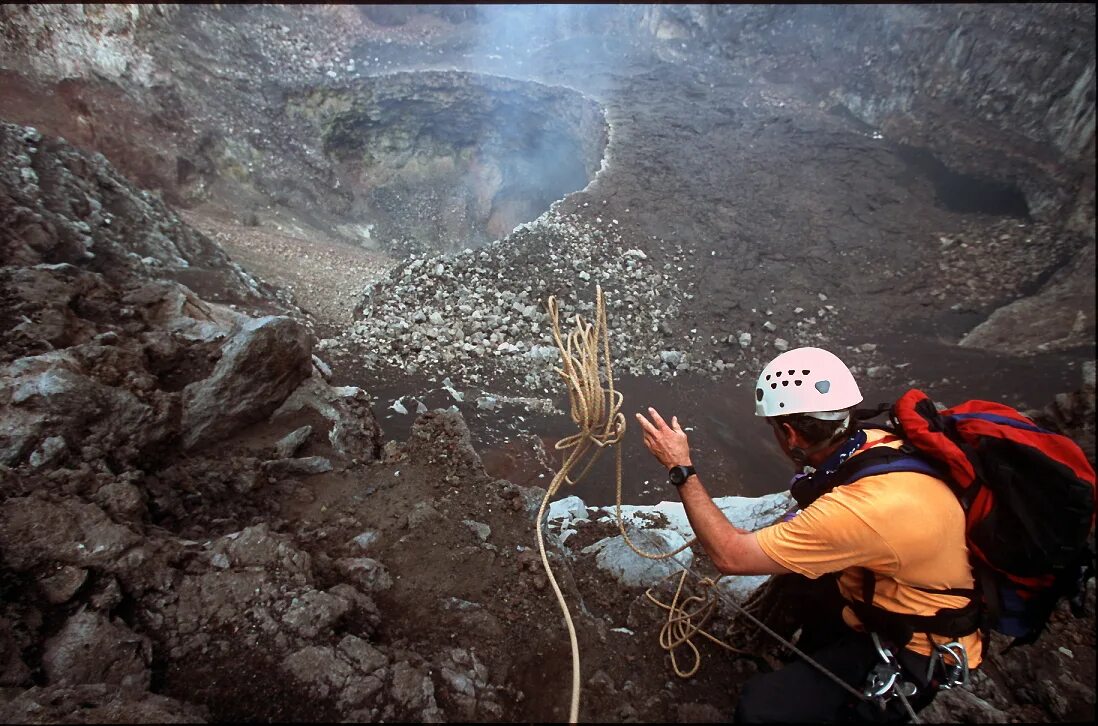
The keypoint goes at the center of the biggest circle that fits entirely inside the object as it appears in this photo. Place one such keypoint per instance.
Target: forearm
(712, 528)
(733, 551)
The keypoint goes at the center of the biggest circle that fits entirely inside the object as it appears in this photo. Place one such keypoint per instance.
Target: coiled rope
(596, 411)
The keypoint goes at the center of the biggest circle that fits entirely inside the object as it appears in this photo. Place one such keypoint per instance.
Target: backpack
(1029, 501)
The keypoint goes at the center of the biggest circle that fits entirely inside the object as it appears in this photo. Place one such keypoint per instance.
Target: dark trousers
(800, 693)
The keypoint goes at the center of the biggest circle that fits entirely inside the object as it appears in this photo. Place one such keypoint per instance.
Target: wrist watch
(679, 474)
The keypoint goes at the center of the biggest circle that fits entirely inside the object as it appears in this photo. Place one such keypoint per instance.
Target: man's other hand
(667, 443)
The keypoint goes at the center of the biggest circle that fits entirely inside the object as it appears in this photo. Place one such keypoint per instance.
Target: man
(892, 543)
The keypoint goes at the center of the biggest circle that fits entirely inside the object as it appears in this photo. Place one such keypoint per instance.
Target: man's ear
(791, 435)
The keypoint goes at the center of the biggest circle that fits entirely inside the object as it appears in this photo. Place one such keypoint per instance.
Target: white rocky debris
(614, 555)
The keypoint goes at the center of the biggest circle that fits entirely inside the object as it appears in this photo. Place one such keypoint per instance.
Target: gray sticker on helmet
(823, 386)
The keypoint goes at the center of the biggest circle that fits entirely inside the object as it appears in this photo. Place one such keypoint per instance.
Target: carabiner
(956, 673)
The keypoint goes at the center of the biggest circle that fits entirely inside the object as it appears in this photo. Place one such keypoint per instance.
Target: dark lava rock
(260, 366)
(90, 648)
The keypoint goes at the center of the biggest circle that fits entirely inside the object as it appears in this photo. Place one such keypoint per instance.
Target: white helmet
(806, 380)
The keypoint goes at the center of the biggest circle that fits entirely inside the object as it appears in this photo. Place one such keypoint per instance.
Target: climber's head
(808, 396)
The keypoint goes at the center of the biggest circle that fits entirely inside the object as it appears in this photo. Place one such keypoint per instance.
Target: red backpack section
(1028, 493)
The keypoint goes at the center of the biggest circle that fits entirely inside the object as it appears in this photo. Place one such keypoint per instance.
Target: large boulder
(35, 531)
(260, 366)
(90, 648)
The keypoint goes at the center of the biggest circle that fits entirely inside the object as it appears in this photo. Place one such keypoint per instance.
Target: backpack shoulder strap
(883, 460)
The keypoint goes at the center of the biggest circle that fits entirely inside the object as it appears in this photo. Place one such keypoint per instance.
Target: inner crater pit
(442, 161)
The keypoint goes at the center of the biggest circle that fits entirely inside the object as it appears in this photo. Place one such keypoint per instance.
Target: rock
(481, 530)
(368, 575)
(413, 694)
(306, 466)
(367, 539)
(487, 403)
(60, 586)
(122, 499)
(348, 673)
(769, 326)
(34, 531)
(958, 705)
(745, 340)
(876, 372)
(355, 432)
(781, 344)
(98, 703)
(49, 452)
(260, 367)
(257, 546)
(14, 672)
(1060, 316)
(90, 648)
(615, 557)
(288, 445)
(315, 612)
(567, 509)
(422, 513)
(672, 357)
(50, 397)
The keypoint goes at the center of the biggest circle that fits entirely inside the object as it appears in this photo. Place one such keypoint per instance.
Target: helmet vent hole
(758, 394)
(778, 374)
(768, 376)
(781, 405)
(823, 386)
(805, 373)
(773, 386)
(785, 383)
(792, 372)
(798, 382)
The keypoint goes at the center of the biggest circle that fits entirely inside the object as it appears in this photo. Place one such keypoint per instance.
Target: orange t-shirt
(907, 528)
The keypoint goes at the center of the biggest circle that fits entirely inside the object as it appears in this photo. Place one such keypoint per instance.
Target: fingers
(649, 429)
(660, 423)
(675, 425)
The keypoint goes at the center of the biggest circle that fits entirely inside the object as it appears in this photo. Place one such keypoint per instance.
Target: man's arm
(733, 551)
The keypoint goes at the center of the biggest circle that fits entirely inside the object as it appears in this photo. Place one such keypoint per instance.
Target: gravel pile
(484, 312)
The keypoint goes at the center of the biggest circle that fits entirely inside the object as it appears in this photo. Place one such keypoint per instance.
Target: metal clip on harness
(884, 680)
(953, 674)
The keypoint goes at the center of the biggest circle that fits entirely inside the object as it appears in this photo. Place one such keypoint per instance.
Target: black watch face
(678, 475)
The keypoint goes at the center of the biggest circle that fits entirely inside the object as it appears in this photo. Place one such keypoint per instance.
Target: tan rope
(597, 413)
(681, 627)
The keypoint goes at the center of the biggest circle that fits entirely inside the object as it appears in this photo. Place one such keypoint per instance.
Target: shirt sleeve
(827, 537)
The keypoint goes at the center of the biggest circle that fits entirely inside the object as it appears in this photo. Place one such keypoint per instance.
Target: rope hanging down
(596, 411)
(597, 414)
